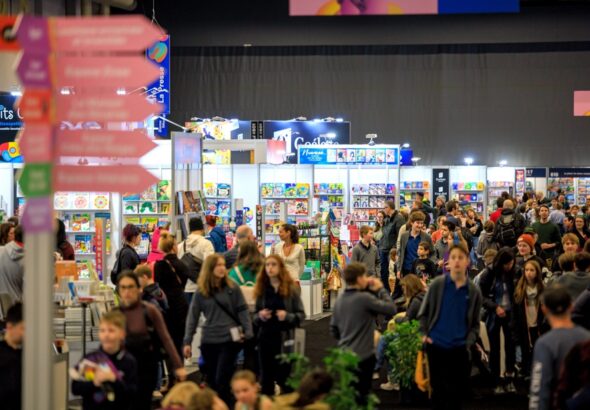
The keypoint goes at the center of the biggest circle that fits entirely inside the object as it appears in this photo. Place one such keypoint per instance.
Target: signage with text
(349, 154)
(536, 172)
(159, 90)
(440, 183)
(569, 172)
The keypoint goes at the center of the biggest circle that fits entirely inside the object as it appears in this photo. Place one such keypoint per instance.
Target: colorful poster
(98, 244)
(159, 90)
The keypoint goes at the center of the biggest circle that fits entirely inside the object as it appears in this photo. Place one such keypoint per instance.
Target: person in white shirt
(291, 251)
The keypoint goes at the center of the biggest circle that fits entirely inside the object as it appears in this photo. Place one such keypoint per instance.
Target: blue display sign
(305, 133)
(569, 172)
(349, 154)
(10, 123)
(160, 127)
(536, 172)
(159, 90)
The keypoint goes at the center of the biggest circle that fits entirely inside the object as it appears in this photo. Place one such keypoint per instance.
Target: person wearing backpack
(127, 257)
(193, 251)
(146, 335)
(171, 274)
(509, 226)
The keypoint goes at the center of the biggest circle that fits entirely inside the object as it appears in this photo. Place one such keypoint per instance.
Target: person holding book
(107, 377)
(127, 257)
(366, 252)
(146, 336)
(449, 321)
(354, 318)
(11, 360)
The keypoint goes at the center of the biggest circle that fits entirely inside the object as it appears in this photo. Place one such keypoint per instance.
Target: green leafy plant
(341, 364)
(299, 366)
(402, 349)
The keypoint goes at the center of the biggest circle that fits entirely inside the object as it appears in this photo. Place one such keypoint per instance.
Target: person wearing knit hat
(526, 250)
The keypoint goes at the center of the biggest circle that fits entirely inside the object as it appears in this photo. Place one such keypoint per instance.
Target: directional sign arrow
(581, 103)
(102, 143)
(35, 180)
(113, 33)
(38, 215)
(35, 105)
(104, 108)
(35, 142)
(33, 70)
(116, 72)
(121, 178)
(33, 33)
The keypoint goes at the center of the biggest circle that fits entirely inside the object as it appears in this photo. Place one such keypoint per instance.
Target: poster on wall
(305, 133)
(397, 7)
(10, 123)
(440, 183)
(349, 154)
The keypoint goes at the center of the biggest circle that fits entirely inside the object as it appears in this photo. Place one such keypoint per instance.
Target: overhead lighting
(406, 145)
(317, 120)
(329, 119)
(339, 119)
(371, 137)
(218, 118)
(468, 160)
(503, 163)
(300, 118)
(416, 159)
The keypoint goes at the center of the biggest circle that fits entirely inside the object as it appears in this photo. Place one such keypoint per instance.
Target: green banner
(35, 180)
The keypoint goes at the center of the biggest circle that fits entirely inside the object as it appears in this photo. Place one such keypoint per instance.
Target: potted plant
(402, 349)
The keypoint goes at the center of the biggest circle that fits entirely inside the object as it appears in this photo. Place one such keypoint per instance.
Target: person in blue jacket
(216, 235)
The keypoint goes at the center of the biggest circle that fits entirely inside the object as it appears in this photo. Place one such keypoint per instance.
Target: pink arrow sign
(33, 70)
(102, 143)
(35, 142)
(121, 178)
(115, 72)
(105, 108)
(581, 103)
(113, 33)
(33, 33)
(38, 215)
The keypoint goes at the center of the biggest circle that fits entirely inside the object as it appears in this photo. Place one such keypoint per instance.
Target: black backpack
(506, 230)
(193, 264)
(117, 268)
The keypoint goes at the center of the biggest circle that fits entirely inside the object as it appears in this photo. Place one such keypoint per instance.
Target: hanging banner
(569, 172)
(98, 245)
(520, 182)
(159, 90)
(349, 154)
(536, 172)
(440, 183)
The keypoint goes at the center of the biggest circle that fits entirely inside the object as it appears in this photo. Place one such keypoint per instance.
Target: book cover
(223, 208)
(223, 190)
(279, 191)
(130, 208)
(130, 197)
(147, 207)
(164, 190)
(370, 156)
(211, 207)
(61, 200)
(149, 223)
(351, 155)
(341, 155)
(134, 220)
(267, 190)
(361, 156)
(99, 200)
(81, 200)
(290, 190)
(210, 189)
(164, 208)
(149, 194)
(302, 190)
(379, 156)
(80, 222)
(83, 244)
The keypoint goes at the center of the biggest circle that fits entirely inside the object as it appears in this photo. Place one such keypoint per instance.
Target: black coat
(520, 326)
(172, 274)
(488, 284)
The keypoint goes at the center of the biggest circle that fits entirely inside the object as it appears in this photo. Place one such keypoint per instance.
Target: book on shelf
(164, 208)
(164, 190)
(80, 222)
(223, 190)
(130, 208)
(149, 194)
(149, 223)
(83, 243)
(148, 207)
(209, 189)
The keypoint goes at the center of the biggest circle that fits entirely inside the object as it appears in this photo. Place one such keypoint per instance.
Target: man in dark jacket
(509, 226)
(391, 225)
(581, 312)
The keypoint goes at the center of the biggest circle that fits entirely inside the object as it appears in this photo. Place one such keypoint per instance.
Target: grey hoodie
(12, 271)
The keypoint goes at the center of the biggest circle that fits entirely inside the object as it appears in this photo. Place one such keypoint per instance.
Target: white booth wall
(418, 174)
(7, 188)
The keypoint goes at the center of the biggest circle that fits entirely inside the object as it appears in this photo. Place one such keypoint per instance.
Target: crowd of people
(510, 296)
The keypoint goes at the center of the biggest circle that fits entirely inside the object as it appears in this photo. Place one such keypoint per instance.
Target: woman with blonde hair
(226, 327)
(414, 292)
(172, 274)
(279, 310)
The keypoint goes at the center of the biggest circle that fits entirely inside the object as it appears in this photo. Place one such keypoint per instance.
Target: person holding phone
(226, 327)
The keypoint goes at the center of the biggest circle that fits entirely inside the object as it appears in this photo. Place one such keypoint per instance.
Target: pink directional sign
(33, 33)
(38, 215)
(104, 108)
(35, 142)
(102, 143)
(113, 34)
(122, 178)
(581, 103)
(116, 72)
(33, 70)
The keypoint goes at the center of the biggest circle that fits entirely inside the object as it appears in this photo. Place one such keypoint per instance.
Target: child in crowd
(578, 280)
(247, 392)
(366, 252)
(552, 348)
(151, 291)
(189, 396)
(11, 358)
(354, 317)
(314, 387)
(107, 378)
(392, 268)
(449, 319)
(424, 267)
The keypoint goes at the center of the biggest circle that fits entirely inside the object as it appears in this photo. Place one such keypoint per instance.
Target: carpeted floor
(318, 339)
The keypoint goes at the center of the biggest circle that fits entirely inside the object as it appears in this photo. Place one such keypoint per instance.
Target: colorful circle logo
(158, 52)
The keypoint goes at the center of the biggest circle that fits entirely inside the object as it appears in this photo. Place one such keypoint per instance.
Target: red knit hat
(528, 239)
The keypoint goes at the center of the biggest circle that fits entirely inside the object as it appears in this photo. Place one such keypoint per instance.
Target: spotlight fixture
(300, 118)
(468, 160)
(329, 119)
(503, 163)
(415, 160)
(317, 120)
(371, 137)
(339, 119)
(406, 145)
(330, 135)
(218, 118)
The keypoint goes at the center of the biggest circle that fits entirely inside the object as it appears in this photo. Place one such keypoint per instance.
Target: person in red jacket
(496, 214)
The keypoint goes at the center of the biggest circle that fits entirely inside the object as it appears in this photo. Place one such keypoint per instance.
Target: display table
(311, 295)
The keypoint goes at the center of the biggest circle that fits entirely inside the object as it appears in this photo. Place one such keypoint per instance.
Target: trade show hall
(294, 204)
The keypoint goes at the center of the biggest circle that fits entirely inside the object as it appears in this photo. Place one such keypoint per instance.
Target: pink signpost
(102, 143)
(581, 103)
(120, 178)
(35, 143)
(103, 107)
